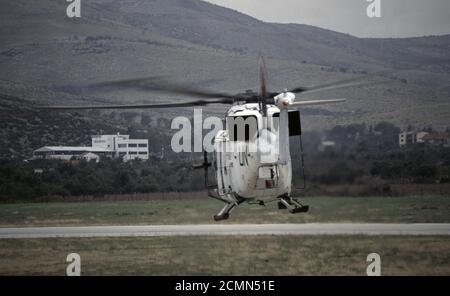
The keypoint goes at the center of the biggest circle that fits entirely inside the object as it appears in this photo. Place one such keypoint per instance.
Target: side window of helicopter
(295, 128)
(242, 128)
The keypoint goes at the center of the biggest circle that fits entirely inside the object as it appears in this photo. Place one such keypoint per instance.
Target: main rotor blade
(334, 87)
(136, 106)
(263, 83)
(316, 102)
(351, 82)
(160, 84)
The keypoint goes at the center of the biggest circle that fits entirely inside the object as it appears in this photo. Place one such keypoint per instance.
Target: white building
(112, 146)
(405, 138)
(420, 137)
(122, 146)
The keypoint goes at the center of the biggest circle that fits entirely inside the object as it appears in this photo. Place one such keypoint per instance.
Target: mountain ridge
(198, 42)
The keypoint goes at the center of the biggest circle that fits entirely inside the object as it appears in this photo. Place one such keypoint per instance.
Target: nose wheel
(292, 204)
(224, 214)
(231, 202)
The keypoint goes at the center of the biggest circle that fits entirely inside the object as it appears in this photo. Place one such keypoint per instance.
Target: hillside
(46, 57)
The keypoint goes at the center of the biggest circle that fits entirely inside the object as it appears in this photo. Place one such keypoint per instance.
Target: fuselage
(249, 161)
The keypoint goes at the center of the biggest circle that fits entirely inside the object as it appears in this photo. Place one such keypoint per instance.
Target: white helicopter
(251, 164)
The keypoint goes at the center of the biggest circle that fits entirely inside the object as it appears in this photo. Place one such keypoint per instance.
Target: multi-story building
(112, 146)
(122, 146)
(405, 138)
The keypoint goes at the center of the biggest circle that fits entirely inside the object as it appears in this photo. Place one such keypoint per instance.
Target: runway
(227, 229)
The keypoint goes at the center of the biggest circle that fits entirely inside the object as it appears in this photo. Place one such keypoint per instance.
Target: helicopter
(251, 157)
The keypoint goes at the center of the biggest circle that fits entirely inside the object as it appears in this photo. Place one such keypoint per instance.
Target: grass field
(261, 255)
(322, 209)
(253, 255)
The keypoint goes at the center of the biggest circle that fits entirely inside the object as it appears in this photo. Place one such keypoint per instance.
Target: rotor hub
(284, 100)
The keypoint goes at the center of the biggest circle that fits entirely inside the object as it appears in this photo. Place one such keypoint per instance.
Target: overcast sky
(399, 18)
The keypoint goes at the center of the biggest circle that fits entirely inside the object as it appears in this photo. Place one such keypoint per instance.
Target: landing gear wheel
(230, 203)
(302, 209)
(221, 217)
(292, 204)
(281, 206)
